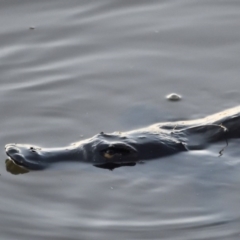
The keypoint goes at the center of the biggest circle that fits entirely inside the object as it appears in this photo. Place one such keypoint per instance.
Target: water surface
(87, 67)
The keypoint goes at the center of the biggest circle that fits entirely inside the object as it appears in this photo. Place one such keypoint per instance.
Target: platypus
(110, 150)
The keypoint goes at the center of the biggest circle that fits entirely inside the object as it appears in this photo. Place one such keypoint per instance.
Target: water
(90, 66)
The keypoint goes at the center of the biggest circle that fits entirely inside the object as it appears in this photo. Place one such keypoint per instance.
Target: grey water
(71, 69)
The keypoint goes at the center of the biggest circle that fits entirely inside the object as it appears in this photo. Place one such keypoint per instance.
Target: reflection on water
(13, 168)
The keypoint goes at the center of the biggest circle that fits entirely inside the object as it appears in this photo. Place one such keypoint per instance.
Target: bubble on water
(174, 97)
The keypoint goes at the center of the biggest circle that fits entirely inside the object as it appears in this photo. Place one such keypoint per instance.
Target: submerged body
(127, 148)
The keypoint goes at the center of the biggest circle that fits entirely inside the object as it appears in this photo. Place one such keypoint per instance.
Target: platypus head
(100, 149)
(114, 148)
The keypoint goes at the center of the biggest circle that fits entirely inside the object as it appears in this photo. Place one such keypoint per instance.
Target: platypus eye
(111, 152)
(118, 150)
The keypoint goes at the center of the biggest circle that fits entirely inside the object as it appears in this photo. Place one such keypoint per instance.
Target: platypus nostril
(32, 149)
